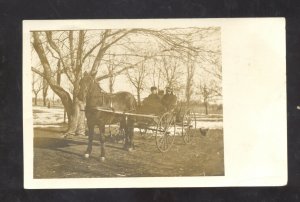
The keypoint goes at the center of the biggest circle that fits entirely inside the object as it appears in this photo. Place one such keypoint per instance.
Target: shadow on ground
(53, 143)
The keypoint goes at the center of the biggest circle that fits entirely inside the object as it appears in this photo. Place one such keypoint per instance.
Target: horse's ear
(93, 74)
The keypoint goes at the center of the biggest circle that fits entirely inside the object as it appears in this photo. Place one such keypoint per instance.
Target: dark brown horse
(95, 97)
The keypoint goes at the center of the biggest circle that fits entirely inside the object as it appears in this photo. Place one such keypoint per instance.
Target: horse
(94, 96)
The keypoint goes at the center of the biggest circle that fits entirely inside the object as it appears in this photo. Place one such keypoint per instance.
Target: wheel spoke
(186, 126)
(164, 136)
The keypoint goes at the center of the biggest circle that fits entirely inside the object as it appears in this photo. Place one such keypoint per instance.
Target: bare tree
(45, 92)
(37, 86)
(208, 91)
(111, 79)
(155, 74)
(69, 52)
(189, 80)
(110, 70)
(171, 72)
(137, 79)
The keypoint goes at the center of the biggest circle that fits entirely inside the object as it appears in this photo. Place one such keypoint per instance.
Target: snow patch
(52, 117)
(47, 117)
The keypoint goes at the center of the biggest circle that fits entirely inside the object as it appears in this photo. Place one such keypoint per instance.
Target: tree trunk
(77, 119)
(188, 89)
(111, 85)
(139, 97)
(45, 92)
(44, 100)
(189, 80)
(72, 108)
(35, 100)
(206, 107)
(188, 100)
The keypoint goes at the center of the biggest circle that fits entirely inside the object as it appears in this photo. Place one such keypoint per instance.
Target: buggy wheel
(188, 126)
(165, 132)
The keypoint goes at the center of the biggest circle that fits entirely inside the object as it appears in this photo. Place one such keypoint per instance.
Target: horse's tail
(129, 101)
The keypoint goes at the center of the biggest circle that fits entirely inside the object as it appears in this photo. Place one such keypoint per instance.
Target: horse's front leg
(130, 134)
(123, 127)
(102, 141)
(90, 142)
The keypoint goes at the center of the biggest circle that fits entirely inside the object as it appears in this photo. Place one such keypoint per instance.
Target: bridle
(104, 95)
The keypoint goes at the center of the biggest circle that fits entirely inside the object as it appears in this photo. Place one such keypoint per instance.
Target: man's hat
(153, 88)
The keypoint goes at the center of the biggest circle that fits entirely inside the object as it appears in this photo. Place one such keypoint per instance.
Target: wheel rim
(165, 132)
(187, 125)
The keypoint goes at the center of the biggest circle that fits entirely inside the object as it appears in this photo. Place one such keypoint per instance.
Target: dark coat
(152, 98)
(152, 105)
(169, 101)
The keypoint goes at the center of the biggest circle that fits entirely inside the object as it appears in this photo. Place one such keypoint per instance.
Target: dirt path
(55, 157)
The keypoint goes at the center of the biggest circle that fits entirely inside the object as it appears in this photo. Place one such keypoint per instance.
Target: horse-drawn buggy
(103, 109)
(166, 126)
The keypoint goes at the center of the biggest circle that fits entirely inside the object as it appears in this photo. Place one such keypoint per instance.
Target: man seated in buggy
(169, 100)
(155, 104)
(161, 93)
(153, 97)
(152, 104)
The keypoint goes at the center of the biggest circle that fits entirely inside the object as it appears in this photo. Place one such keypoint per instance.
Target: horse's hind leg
(90, 142)
(102, 141)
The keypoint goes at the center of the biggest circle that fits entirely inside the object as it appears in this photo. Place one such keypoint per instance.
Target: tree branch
(124, 69)
(78, 64)
(71, 48)
(56, 49)
(47, 74)
(37, 72)
(100, 53)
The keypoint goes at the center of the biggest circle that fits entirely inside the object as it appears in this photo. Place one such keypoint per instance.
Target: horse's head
(85, 84)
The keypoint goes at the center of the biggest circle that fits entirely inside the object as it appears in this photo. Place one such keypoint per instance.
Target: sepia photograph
(127, 102)
(123, 103)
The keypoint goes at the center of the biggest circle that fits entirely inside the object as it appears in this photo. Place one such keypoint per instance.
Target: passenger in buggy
(153, 97)
(161, 94)
(152, 104)
(169, 100)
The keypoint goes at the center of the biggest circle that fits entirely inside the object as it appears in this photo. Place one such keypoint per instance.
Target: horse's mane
(99, 88)
(107, 98)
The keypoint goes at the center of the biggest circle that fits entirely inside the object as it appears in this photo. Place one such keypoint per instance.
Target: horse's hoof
(86, 156)
(130, 149)
(102, 158)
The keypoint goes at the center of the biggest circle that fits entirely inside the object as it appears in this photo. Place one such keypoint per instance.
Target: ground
(56, 157)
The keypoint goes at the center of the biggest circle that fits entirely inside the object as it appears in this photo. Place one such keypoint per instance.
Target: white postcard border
(254, 88)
